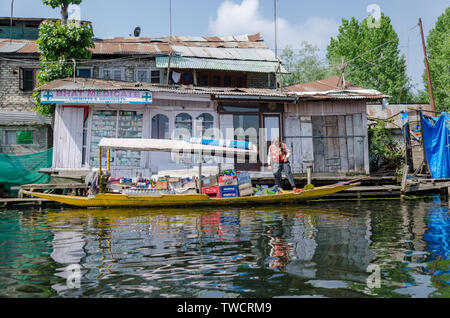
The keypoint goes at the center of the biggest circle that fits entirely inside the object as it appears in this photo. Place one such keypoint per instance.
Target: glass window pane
(103, 125)
(10, 137)
(160, 127)
(117, 75)
(142, 76)
(155, 77)
(130, 126)
(183, 126)
(84, 72)
(24, 137)
(272, 127)
(207, 121)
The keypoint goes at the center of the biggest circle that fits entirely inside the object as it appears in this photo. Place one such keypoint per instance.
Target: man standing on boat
(278, 160)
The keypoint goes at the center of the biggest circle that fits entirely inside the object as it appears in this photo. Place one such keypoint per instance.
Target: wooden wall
(68, 137)
(330, 135)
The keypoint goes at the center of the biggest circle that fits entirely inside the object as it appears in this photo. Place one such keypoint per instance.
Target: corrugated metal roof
(158, 46)
(99, 84)
(329, 89)
(218, 64)
(226, 53)
(9, 117)
(14, 46)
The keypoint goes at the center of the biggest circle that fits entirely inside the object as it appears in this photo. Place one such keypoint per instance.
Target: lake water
(382, 248)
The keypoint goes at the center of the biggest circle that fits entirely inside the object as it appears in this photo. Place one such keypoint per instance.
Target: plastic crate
(212, 192)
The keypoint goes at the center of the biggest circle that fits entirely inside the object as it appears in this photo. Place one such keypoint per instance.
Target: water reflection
(317, 250)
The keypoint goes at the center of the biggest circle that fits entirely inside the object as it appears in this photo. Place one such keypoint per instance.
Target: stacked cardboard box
(229, 191)
(228, 186)
(245, 184)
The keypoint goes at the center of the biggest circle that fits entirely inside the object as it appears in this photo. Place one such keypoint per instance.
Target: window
(84, 72)
(207, 121)
(183, 126)
(155, 76)
(147, 75)
(221, 79)
(121, 124)
(117, 74)
(14, 137)
(227, 81)
(27, 80)
(160, 127)
(216, 81)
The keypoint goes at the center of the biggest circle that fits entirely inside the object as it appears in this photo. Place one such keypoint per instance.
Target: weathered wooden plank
(307, 142)
(343, 151)
(331, 145)
(350, 142)
(358, 142)
(366, 142)
(292, 129)
(318, 143)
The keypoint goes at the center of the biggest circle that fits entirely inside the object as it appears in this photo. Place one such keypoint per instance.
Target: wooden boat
(174, 200)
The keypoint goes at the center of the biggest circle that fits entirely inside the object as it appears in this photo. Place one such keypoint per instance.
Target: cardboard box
(245, 189)
(210, 181)
(229, 195)
(227, 180)
(229, 191)
(243, 177)
(161, 185)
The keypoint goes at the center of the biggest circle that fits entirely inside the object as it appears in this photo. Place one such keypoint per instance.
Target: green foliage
(58, 3)
(58, 44)
(384, 150)
(438, 51)
(304, 66)
(374, 57)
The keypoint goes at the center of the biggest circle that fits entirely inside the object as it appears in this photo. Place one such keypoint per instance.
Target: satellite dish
(137, 31)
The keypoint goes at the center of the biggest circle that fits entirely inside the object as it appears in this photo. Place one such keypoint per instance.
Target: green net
(16, 170)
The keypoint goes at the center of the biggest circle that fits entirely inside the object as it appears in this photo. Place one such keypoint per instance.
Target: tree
(59, 45)
(64, 4)
(304, 66)
(438, 51)
(373, 57)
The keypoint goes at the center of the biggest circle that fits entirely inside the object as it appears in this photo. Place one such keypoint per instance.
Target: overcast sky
(313, 21)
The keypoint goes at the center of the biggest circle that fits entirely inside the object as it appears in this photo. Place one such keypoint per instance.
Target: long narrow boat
(211, 148)
(174, 200)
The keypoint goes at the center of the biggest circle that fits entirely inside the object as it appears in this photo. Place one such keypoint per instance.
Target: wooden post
(200, 158)
(309, 174)
(404, 181)
(99, 169)
(108, 156)
(427, 68)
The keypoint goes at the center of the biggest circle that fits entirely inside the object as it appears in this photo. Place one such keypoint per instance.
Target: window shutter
(21, 78)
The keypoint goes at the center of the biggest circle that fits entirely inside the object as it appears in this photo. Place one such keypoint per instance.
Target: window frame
(22, 71)
(112, 70)
(149, 71)
(90, 68)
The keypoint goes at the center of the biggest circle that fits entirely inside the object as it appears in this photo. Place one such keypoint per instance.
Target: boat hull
(174, 200)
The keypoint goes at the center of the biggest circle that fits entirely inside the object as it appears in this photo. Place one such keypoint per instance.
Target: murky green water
(316, 250)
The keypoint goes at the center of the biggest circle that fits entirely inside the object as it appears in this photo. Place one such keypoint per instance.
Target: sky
(298, 20)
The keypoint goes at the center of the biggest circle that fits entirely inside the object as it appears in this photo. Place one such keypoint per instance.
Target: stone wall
(11, 97)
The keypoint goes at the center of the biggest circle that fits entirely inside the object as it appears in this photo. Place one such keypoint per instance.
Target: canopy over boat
(205, 146)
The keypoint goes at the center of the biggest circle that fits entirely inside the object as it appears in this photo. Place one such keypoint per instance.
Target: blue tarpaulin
(437, 145)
